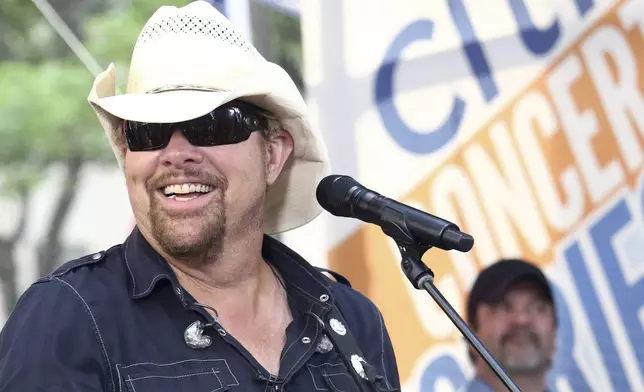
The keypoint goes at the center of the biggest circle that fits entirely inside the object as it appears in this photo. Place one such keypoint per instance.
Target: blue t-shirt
(478, 385)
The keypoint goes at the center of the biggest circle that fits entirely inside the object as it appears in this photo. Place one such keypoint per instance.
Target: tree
(43, 125)
(46, 120)
(26, 35)
(278, 37)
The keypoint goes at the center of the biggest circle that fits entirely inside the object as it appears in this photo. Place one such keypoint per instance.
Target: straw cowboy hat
(188, 61)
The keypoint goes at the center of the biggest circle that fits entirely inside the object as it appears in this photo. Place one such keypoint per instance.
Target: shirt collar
(147, 269)
(297, 272)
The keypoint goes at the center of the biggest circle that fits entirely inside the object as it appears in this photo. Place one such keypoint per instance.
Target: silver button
(96, 256)
(324, 298)
(221, 331)
(306, 340)
(338, 327)
(178, 290)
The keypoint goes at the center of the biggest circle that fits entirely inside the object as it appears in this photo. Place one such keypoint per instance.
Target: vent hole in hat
(181, 24)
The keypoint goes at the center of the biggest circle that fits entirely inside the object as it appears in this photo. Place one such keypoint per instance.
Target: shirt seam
(287, 374)
(95, 327)
(382, 348)
(127, 264)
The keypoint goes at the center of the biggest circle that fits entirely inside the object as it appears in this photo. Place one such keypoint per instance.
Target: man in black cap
(511, 310)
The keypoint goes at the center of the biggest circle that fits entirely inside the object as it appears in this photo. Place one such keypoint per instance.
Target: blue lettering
(583, 6)
(419, 143)
(442, 368)
(537, 41)
(473, 50)
(220, 5)
(597, 319)
(564, 364)
(629, 298)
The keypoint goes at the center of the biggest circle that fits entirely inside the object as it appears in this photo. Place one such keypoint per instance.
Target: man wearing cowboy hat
(218, 153)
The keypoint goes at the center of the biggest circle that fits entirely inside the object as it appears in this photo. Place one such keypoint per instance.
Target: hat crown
(193, 45)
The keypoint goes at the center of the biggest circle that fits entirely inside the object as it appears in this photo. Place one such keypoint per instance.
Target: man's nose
(520, 316)
(180, 152)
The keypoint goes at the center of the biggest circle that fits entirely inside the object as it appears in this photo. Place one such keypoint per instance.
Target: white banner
(520, 120)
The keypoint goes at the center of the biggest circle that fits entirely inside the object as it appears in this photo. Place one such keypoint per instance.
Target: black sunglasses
(228, 124)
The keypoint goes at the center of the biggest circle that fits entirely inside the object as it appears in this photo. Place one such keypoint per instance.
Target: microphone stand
(422, 277)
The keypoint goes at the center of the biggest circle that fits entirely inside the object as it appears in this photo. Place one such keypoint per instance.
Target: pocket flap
(332, 377)
(212, 375)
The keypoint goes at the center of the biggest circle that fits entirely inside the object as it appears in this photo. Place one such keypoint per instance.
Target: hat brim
(165, 107)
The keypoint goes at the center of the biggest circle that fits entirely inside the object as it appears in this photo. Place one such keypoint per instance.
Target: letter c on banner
(405, 136)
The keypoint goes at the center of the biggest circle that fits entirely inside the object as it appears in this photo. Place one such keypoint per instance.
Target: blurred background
(519, 120)
(62, 194)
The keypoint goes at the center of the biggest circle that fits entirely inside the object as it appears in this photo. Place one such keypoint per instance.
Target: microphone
(343, 196)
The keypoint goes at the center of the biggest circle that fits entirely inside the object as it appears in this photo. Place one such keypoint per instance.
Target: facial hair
(196, 236)
(530, 360)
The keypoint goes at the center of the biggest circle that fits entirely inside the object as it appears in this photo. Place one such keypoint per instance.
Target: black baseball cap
(494, 281)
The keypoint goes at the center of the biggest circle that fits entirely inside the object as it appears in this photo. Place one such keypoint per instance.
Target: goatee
(196, 236)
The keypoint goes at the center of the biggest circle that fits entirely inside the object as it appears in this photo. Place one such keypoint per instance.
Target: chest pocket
(212, 375)
(332, 377)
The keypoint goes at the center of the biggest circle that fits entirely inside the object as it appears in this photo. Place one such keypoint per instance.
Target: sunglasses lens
(228, 124)
(220, 127)
(146, 136)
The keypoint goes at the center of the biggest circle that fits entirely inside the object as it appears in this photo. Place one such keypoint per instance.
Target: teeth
(179, 189)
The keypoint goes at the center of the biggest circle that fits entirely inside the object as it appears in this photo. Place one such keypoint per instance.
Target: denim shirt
(115, 321)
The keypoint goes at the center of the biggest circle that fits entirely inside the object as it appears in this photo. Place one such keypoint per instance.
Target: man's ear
(279, 147)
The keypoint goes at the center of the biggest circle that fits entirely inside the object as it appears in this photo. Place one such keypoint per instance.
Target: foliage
(277, 36)
(286, 43)
(26, 35)
(46, 119)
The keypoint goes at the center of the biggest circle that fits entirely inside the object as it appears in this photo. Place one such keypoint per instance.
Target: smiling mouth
(186, 192)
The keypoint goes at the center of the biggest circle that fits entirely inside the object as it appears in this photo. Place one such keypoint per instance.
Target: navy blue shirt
(115, 321)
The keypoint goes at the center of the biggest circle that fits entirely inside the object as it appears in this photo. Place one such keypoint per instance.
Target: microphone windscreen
(332, 194)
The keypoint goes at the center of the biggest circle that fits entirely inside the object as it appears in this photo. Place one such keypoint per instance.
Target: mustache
(191, 174)
(521, 332)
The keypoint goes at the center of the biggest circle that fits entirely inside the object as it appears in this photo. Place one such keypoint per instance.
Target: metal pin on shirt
(194, 337)
(356, 362)
(324, 345)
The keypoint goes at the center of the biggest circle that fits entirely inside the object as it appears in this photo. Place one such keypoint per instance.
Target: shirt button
(306, 340)
(96, 256)
(324, 298)
(221, 331)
